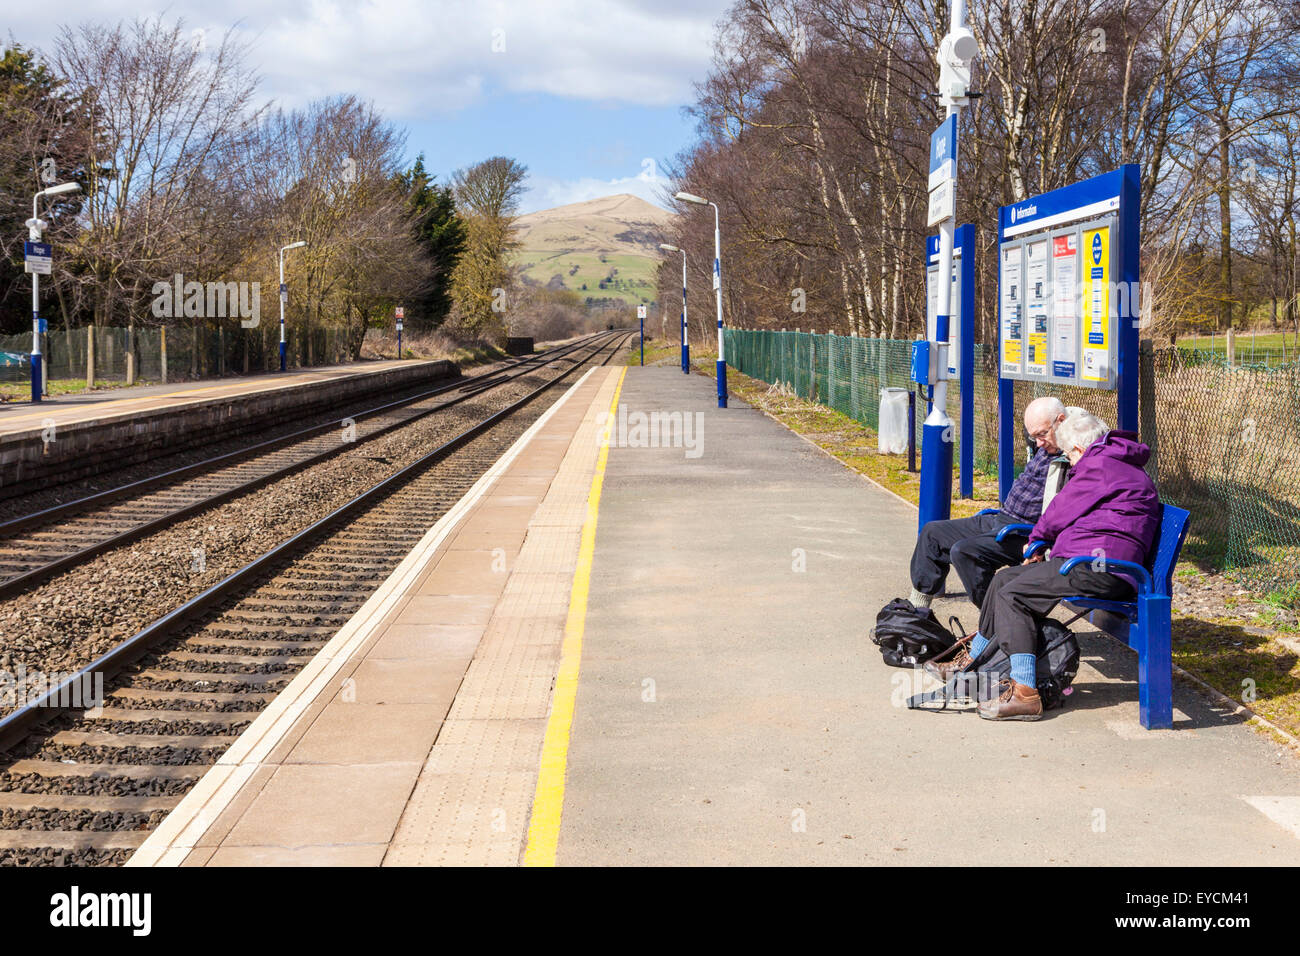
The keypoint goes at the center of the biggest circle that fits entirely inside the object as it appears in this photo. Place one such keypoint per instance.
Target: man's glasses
(1041, 434)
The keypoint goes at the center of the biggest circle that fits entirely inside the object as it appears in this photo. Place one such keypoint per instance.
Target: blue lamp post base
(686, 360)
(284, 348)
(722, 384)
(936, 473)
(36, 377)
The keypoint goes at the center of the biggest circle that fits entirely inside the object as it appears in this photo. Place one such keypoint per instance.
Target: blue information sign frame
(1119, 193)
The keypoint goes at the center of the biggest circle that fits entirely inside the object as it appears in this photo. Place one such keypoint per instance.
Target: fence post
(162, 351)
(221, 350)
(90, 356)
(831, 349)
(130, 354)
(1231, 347)
(1147, 405)
(880, 362)
(855, 397)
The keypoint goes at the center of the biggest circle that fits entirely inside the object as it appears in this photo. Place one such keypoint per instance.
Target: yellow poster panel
(1011, 352)
(1096, 304)
(1038, 348)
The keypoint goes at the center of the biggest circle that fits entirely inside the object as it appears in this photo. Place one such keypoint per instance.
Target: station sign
(38, 258)
(943, 173)
(932, 301)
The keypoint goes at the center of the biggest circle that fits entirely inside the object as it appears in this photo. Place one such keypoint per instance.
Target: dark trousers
(1020, 597)
(970, 546)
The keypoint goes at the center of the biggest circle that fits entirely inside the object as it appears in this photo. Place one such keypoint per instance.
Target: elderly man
(970, 544)
(1109, 509)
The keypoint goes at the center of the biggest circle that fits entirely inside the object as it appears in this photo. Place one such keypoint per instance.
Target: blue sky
(586, 93)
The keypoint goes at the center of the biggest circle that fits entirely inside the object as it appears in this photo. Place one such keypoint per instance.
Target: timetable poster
(1036, 311)
(1065, 292)
(1096, 304)
(1012, 312)
(954, 314)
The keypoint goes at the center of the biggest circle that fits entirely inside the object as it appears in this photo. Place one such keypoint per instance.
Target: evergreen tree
(441, 233)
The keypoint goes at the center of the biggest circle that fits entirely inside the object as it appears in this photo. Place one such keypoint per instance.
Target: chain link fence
(1224, 439)
(192, 352)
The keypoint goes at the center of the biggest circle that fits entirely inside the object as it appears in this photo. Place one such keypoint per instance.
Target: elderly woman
(1108, 509)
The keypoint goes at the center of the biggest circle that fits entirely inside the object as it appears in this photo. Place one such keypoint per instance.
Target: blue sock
(1024, 669)
(977, 644)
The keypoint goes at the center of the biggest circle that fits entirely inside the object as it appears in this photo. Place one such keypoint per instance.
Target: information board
(1059, 321)
(1068, 272)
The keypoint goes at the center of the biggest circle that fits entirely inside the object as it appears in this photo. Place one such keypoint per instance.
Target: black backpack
(909, 636)
(1058, 663)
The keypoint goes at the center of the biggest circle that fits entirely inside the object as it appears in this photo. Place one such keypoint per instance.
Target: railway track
(37, 546)
(85, 787)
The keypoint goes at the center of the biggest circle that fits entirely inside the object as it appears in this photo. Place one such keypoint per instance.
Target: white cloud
(417, 57)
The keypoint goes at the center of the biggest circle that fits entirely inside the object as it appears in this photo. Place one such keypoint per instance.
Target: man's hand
(1037, 556)
(1035, 559)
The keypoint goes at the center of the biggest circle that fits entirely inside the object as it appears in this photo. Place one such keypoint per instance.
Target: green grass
(1272, 348)
(22, 391)
(540, 266)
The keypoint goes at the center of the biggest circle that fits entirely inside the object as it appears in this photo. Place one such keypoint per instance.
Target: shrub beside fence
(1224, 441)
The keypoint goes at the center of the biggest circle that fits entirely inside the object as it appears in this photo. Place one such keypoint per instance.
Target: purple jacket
(1108, 507)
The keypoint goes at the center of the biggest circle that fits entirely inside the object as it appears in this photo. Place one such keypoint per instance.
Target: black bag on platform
(908, 636)
(1058, 663)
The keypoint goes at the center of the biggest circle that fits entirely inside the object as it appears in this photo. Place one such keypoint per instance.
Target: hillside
(601, 248)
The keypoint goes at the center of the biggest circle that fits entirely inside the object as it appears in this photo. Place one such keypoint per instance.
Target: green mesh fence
(1224, 439)
(847, 373)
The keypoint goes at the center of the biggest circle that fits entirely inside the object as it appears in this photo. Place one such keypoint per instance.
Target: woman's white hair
(1079, 430)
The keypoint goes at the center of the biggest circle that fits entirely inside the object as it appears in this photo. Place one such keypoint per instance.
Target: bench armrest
(1019, 530)
(1112, 565)
(1034, 548)
(987, 511)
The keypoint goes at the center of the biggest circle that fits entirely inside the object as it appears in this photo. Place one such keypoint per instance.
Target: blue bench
(1149, 616)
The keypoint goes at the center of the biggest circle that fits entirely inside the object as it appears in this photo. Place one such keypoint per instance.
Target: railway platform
(642, 639)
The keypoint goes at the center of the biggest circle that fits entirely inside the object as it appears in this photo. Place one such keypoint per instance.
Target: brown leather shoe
(1013, 702)
(958, 660)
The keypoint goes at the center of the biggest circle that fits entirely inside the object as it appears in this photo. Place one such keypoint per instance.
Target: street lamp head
(296, 245)
(691, 197)
(668, 248)
(60, 189)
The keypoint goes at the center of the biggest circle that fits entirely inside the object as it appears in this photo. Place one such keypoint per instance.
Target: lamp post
(686, 347)
(284, 297)
(36, 227)
(717, 288)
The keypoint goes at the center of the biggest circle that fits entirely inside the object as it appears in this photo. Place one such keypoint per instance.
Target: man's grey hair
(1080, 430)
(1048, 406)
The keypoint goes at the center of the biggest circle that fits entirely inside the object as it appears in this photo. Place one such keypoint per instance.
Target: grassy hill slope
(609, 245)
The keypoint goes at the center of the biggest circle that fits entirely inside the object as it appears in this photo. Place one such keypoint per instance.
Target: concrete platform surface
(732, 710)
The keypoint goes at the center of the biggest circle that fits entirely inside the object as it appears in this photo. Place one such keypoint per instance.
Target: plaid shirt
(1025, 499)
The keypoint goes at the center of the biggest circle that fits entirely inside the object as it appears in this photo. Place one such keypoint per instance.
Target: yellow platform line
(548, 799)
